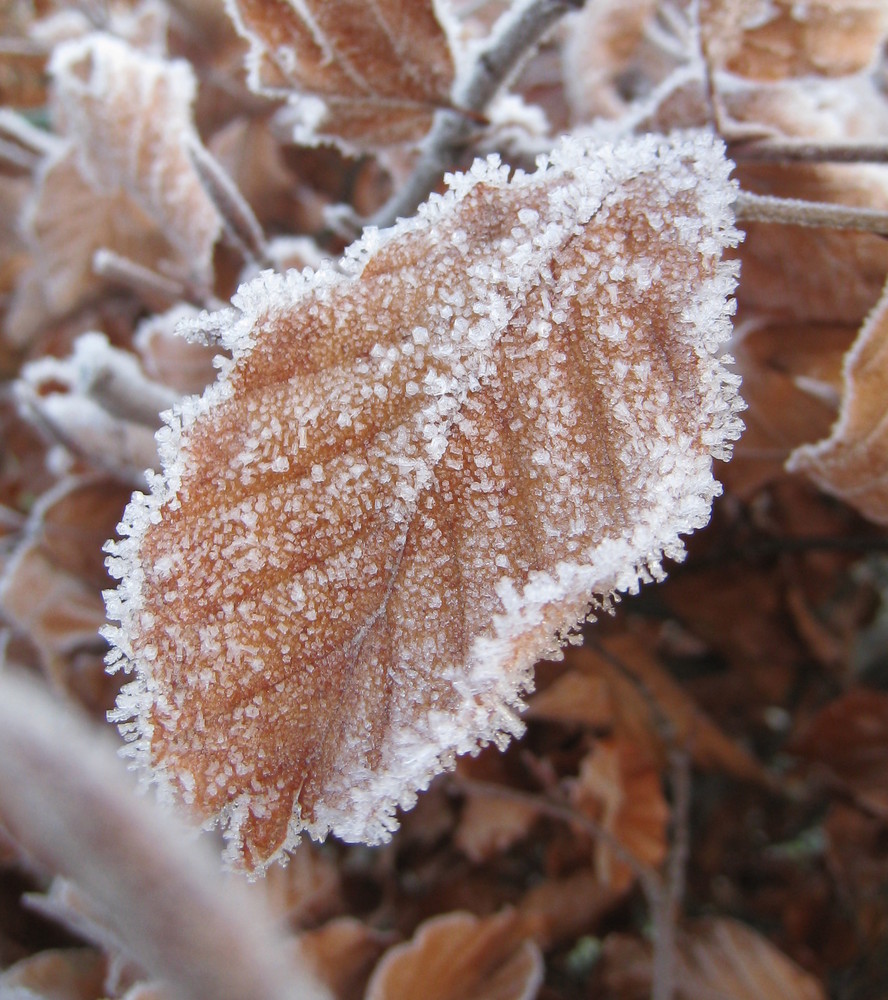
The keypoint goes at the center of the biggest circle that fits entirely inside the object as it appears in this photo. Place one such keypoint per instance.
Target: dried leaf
(490, 826)
(459, 956)
(558, 910)
(68, 974)
(129, 116)
(50, 586)
(791, 382)
(620, 686)
(771, 39)
(122, 181)
(852, 463)
(342, 955)
(619, 786)
(849, 737)
(415, 476)
(724, 960)
(376, 71)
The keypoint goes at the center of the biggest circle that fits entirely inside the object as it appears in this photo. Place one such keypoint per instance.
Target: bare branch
(751, 207)
(513, 37)
(808, 151)
(240, 222)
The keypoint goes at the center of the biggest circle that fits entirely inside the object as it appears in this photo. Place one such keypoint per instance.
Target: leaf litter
(748, 653)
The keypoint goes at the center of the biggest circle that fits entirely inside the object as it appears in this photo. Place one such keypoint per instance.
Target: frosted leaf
(129, 116)
(371, 74)
(122, 180)
(98, 403)
(772, 39)
(416, 475)
(852, 463)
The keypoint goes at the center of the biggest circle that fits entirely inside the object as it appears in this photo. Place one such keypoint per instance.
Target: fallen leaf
(342, 955)
(791, 384)
(129, 117)
(618, 685)
(722, 959)
(372, 74)
(62, 974)
(415, 476)
(620, 787)
(852, 463)
(490, 826)
(849, 737)
(559, 909)
(50, 586)
(459, 956)
(771, 39)
(122, 179)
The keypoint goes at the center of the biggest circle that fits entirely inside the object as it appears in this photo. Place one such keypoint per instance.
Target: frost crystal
(416, 476)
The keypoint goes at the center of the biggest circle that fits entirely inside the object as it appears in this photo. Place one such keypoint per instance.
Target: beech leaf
(416, 476)
(122, 180)
(852, 463)
(372, 74)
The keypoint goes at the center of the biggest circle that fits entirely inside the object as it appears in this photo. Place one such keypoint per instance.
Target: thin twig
(809, 151)
(666, 915)
(513, 37)
(142, 280)
(17, 130)
(240, 222)
(751, 207)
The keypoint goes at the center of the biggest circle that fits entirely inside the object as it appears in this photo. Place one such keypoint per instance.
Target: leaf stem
(513, 37)
(751, 207)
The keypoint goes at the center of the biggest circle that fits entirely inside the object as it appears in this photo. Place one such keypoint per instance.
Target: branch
(513, 37)
(751, 207)
(809, 151)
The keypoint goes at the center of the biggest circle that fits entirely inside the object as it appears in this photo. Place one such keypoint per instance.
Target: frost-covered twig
(751, 207)
(67, 801)
(514, 35)
(809, 151)
(240, 222)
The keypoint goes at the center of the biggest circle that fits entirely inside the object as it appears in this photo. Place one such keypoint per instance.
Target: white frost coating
(461, 346)
(115, 102)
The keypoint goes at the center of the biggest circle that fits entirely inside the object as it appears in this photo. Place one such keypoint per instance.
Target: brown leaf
(849, 737)
(69, 974)
(771, 39)
(620, 787)
(852, 463)
(459, 956)
(129, 116)
(559, 909)
(415, 476)
(123, 180)
(379, 69)
(725, 960)
(342, 955)
(619, 687)
(50, 587)
(791, 381)
(490, 826)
